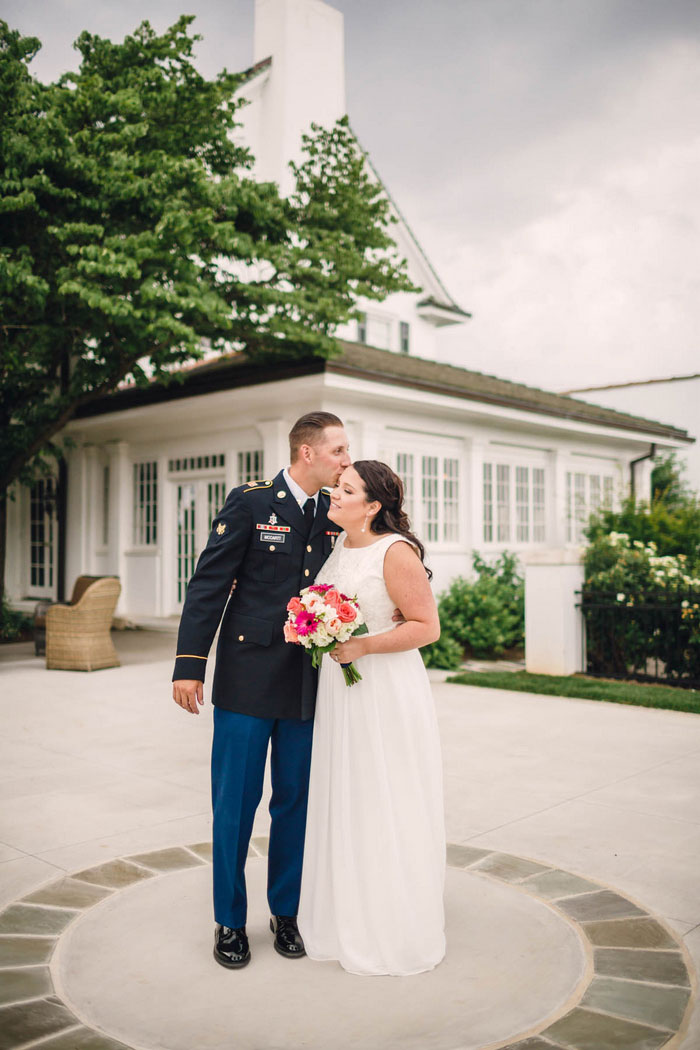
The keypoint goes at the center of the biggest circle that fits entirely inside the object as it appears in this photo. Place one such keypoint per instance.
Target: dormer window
(404, 341)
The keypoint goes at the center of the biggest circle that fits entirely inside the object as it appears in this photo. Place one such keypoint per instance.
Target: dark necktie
(309, 511)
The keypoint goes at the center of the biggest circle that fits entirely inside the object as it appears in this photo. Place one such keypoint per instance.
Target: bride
(374, 856)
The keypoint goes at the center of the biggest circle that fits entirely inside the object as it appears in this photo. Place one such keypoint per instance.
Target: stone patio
(572, 897)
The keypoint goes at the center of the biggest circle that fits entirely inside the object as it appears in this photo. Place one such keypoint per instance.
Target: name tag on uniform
(272, 537)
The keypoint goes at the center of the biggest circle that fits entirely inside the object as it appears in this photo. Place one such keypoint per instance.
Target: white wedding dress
(374, 857)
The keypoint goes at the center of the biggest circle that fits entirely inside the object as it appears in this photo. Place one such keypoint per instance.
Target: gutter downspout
(649, 455)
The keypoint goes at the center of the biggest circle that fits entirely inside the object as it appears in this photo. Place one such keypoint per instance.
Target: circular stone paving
(120, 956)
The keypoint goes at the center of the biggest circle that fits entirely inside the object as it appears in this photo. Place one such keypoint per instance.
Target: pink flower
(306, 623)
(290, 633)
(320, 587)
(346, 613)
(335, 625)
(294, 606)
(332, 597)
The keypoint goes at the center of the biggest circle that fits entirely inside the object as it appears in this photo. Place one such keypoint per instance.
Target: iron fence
(649, 639)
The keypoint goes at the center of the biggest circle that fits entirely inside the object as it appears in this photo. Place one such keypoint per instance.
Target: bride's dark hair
(383, 485)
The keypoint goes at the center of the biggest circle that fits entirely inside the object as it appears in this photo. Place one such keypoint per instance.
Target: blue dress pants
(239, 753)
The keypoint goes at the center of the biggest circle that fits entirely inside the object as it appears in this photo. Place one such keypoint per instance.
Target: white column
(274, 436)
(91, 494)
(120, 516)
(475, 452)
(77, 517)
(556, 510)
(17, 548)
(553, 622)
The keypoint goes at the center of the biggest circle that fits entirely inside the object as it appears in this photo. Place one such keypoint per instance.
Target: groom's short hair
(308, 430)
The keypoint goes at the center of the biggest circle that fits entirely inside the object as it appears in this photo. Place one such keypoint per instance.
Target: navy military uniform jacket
(259, 540)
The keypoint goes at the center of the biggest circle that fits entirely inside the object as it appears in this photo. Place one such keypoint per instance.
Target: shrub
(446, 653)
(483, 616)
(13, 624)
(640, 606)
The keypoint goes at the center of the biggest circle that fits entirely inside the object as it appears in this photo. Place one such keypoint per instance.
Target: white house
(676, 398)
(487, 464)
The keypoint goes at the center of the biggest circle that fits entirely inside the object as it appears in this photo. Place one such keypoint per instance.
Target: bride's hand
(347, 652)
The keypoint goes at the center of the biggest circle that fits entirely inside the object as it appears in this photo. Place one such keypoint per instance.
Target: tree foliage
(133, 232)
(671, 521)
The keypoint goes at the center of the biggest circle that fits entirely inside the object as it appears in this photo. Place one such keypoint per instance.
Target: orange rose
(290, 632)
(294, 606)
(346, 613)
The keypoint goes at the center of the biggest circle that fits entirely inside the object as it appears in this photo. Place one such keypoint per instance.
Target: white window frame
(588, 488)
(433, 477)
(144, 533)
(514, 499)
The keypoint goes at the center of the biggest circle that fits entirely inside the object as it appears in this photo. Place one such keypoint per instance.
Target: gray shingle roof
(233, 371)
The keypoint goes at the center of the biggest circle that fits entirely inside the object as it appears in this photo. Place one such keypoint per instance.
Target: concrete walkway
(573, 895)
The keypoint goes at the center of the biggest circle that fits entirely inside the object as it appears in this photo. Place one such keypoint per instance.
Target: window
(488, 503)
(502, 502)
(404, 333)
(514, 507)
(430, 497)
(362, 328)
(105, 506)
(145, 532)
(42, 527)
(434, 515)
(522, 504)
(176, 466)
(250, 466)
(585, 494)
(538, 506)
(216, 495)
(404, 468)
(450, 500)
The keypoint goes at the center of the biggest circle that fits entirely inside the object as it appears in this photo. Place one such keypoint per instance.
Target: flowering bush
(642, 609)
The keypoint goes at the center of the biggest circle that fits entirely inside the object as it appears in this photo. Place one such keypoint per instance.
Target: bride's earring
(364, 527)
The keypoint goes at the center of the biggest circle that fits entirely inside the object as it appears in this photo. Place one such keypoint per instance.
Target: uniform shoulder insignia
(327, 489)
(253, 486)
(221, 528)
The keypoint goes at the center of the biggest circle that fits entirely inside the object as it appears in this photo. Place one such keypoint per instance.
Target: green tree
(668, 483)
(132, 233)
(671, 521)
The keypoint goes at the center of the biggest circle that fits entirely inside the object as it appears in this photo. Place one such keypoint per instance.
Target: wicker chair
(77, 635)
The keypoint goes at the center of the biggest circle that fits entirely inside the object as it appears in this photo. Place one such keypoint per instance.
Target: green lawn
(642, 695)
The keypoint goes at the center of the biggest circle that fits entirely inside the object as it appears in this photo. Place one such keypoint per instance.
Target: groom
(267, 543)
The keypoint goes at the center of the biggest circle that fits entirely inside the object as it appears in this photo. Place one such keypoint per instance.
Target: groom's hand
(188, 693)
(398, 616)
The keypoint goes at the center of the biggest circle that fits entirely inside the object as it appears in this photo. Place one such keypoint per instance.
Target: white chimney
(305, 82)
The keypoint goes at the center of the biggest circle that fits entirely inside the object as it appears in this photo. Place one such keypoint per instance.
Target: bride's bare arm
(409, 589)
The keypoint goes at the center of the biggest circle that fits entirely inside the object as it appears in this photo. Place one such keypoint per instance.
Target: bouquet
(319, 618)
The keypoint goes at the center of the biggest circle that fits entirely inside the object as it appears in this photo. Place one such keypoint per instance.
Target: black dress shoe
(231, 947)
(288, 940)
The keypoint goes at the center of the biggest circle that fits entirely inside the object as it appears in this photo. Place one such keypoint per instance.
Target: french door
(198, 502)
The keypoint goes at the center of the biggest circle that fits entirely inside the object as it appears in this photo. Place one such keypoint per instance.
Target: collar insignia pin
(281, 494)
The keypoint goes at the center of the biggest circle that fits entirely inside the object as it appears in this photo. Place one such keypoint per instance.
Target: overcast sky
(545, 152)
